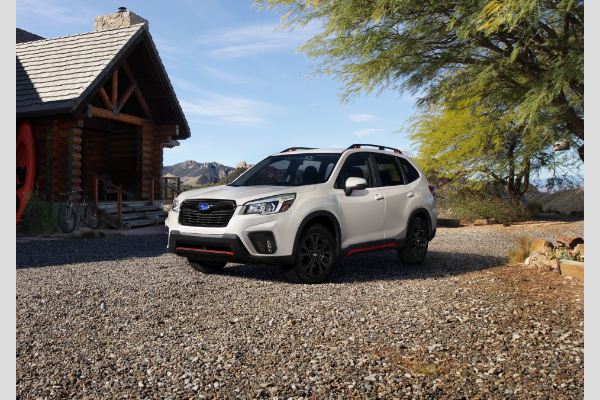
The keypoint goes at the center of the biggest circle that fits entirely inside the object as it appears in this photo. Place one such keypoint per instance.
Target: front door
(361, 214)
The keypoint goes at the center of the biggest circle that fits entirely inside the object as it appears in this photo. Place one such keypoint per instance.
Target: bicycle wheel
(66, 219)
(92, 216)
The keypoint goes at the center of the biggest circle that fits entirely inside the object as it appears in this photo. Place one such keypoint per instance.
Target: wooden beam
(130, 119)
(137, 91)
(166, 130)
(125, 96)
(105, 99)
(115, 83)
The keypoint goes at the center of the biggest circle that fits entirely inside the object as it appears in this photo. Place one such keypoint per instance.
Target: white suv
(304, 208)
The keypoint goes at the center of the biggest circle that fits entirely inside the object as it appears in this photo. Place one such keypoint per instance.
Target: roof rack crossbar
(297, 148)
(359, 145)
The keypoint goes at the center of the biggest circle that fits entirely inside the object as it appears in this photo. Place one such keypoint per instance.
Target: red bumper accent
(371, 248)
(204, 251)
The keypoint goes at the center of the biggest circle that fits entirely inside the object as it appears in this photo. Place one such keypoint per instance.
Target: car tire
(315, 256)
(416, 249)
(207, 267)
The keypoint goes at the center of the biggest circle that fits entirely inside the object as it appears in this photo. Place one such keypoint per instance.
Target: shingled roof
(61, 75)
(24, 36)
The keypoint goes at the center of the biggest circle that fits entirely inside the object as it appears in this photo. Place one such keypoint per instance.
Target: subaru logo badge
(203, 207)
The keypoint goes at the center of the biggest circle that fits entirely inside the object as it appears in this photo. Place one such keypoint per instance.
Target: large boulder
(540, 261)
(578, 250)
(242, 164)
(569, 241)
(541, 244)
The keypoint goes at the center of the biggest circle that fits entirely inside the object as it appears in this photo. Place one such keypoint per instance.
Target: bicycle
(90, 214)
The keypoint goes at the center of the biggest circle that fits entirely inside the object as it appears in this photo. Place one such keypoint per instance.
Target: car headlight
(175, 206)
(270, 205)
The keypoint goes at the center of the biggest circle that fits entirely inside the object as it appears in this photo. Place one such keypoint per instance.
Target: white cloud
(367, 131)
(255, 39)
(48, 15)
(218, 109)
(362, 117)
(231, 77)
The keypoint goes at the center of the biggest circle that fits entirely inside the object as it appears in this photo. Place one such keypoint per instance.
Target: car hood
(242, 194)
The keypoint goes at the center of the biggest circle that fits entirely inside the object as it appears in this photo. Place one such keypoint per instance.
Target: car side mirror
(354, 184)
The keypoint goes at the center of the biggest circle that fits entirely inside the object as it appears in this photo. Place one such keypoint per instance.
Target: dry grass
(522, 251)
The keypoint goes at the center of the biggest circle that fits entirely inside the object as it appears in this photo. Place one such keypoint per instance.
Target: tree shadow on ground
(382, 266)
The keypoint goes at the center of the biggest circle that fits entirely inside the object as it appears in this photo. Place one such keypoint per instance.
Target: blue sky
(240, 82)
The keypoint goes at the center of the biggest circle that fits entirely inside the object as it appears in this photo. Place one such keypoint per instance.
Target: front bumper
(220, 247)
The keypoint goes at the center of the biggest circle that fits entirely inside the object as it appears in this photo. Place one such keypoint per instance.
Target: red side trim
(371, 248)
(204, 251)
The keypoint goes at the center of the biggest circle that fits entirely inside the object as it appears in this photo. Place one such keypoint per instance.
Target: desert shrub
(87, 234)
(562, 253)
(535, 207)
(469, 205)
(522, 251)
(40, 217)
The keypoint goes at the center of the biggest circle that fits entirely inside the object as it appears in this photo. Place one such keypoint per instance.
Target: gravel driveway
(119, 317)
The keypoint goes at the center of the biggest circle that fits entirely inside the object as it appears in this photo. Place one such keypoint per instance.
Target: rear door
(362, 214)
(400, 198)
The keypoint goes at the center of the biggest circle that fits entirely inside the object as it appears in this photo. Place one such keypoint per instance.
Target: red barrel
(25, 166)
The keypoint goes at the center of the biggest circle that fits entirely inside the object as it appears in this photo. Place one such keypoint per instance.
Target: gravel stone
(121, 318)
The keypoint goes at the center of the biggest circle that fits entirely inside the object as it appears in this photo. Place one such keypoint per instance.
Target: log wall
(146, 157)
(122, 160)
(39, 138)
(95, 157)
(74, 161)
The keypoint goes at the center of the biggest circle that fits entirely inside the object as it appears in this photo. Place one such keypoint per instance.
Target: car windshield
(290, 170)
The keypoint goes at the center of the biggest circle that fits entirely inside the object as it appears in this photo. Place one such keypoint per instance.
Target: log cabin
(100, 109)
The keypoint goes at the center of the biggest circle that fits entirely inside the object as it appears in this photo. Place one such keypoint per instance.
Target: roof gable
(53, 74)
(61, 75)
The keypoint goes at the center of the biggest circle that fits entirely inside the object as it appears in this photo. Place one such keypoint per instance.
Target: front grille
(217, 216)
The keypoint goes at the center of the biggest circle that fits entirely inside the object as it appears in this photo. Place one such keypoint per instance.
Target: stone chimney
(121, 18)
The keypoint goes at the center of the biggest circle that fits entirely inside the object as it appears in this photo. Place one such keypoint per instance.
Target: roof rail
(358, 146)
(297, 148)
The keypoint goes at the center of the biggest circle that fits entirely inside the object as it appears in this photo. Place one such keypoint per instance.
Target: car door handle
(411, 194)
(379, 197)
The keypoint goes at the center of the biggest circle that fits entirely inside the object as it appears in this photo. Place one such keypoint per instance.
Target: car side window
(389, 170)
(357, 165)
(411, 172)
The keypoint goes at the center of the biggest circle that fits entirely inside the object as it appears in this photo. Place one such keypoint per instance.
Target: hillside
(198, 174)
(564, 201)
(194, 174)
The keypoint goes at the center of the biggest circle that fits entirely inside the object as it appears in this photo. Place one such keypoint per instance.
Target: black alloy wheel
(416, 248)
(315, 256)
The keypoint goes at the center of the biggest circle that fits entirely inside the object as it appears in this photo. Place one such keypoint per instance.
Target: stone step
(133, 215)
(114, 211)
(125, 203)
(155, 214)
(150, 207)
(140, 222)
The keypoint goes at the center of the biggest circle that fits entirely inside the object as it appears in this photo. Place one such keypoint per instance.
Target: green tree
(472, 140)
(524, 52)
